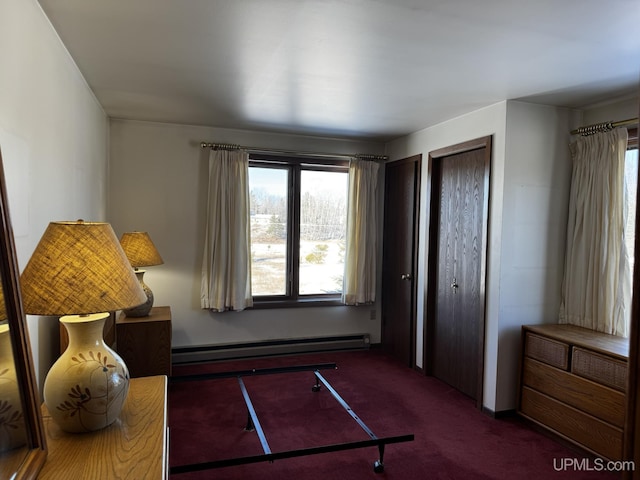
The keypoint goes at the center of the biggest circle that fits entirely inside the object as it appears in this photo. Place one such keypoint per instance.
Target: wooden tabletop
(156, 314)
(583, 337)
(133, 447)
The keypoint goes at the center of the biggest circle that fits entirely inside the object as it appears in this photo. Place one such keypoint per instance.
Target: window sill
(300, 303)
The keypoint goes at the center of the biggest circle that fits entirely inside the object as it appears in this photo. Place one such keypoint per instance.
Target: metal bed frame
(253, 423)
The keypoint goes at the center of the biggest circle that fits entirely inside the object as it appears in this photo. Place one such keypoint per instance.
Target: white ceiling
(371, 69)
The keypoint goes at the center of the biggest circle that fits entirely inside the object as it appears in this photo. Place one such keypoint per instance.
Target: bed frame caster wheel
(378, 466)
(315, 388)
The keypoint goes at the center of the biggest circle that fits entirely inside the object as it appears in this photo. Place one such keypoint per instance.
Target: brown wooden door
(402, 188)
(455, 325)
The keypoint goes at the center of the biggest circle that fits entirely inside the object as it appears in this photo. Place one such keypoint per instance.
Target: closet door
(456, 320)
(402, 187)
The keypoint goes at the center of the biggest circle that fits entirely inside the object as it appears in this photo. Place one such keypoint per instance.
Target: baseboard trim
(234, 351)
(500, 414)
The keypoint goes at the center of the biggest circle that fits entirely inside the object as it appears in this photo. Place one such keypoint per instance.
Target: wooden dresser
(573, 383)
(135, 446)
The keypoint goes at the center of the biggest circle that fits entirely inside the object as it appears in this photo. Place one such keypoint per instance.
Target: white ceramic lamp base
(87, 386)
(144, 309)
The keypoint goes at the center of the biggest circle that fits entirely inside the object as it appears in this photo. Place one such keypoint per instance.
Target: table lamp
(79, 271)
(141, 252)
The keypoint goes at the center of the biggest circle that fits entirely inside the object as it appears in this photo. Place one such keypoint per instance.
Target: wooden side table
(135, 446)
(144, 343)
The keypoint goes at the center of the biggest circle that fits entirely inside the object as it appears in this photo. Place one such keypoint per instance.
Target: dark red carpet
(453, 440)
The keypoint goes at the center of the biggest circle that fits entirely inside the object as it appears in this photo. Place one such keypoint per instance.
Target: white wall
(614, 110)
(537, 176)
(528, 177)
(158, 183)
(53, 136)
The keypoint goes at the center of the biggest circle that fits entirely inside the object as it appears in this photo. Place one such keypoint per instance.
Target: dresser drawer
(590, 432)
(602, 402)
(547, 350)
(599, 368)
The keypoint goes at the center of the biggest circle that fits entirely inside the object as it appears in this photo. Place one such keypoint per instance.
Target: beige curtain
(226, 264)
(362, 230)
(596, 290)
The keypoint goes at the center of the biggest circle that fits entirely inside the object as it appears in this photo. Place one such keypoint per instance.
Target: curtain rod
(229, 146)
(603, 127)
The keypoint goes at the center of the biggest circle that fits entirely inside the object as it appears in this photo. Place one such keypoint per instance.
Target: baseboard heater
(209, 353)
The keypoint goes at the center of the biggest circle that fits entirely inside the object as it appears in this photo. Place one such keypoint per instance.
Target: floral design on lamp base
(86, 388)
(12, 428)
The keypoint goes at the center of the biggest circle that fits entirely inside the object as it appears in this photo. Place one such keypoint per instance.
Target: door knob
(405, 276)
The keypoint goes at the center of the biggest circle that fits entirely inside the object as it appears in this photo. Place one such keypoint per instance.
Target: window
(631, 190)
(631, 183)
(298, 227)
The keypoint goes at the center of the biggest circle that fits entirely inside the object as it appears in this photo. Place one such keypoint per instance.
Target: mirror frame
(9, 273)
